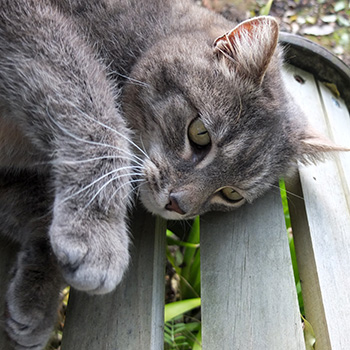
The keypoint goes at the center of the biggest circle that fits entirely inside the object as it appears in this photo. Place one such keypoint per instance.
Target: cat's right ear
(248, 48)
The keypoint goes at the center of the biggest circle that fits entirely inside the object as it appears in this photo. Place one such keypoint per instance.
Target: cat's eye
(198, 133)
(232, 195)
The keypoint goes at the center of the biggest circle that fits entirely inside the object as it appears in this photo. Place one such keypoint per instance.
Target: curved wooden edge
(315, 59)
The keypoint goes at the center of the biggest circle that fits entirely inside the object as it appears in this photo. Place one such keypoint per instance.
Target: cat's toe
(97, 275)
(29, 342)
(93, 261)
(70, 256)
(32, 297)
(16, 327)
(32, 334)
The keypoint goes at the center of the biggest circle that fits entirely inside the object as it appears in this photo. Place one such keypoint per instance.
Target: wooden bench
(249, 299)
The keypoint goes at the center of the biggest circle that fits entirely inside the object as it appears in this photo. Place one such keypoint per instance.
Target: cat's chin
(169, 215)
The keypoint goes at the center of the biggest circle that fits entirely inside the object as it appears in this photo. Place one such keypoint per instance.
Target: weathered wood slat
(337, 119)
(321, 230)
(248, 293)
(132, 317)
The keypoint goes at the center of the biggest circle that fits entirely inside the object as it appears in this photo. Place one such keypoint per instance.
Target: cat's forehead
(208, 89)
(227, 104)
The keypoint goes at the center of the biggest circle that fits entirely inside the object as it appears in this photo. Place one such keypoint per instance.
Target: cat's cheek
(149, 202)
(153, 193)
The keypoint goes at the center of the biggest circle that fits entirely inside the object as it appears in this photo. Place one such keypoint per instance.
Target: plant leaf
(329, 18)
(180, 307)
(339, 6)
(198, 342)
(190, 266)
(173, 241)
(265, 10)
(342, 21)
(309, 335)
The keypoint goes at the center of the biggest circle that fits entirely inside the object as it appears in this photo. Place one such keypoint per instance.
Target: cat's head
(215, 120)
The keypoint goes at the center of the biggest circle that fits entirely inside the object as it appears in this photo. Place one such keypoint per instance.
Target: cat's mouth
(162, 197)
(163, 204)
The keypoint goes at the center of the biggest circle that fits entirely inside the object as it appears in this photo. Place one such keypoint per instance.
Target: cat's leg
(32, 298)
(57, 92)
(33, 291)
(24, 196)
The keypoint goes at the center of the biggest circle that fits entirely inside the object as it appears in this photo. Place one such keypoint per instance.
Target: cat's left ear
(249, 47)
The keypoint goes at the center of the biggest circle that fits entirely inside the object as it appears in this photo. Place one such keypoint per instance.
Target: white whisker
(96, 181)
(120, 187)
(109, 128)
(286, 191)
(132, 80)
(73, 162)
(134, 189)
(91, 142)
(100, 158)
(141, 140)
(105, 185)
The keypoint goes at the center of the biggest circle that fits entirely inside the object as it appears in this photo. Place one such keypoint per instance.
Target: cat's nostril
(173, 205)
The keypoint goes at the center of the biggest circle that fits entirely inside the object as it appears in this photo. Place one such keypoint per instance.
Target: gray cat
(211, 122)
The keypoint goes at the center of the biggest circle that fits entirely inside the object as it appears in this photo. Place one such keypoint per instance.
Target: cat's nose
(173, 205)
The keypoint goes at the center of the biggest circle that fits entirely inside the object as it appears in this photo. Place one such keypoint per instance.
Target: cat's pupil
(198, 134)
(232, 195)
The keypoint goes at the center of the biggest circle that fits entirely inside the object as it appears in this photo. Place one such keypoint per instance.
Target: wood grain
(132, 316)
(249, 298)
(322, 228)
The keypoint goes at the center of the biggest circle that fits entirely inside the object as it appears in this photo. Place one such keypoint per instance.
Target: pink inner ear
(249, 47)
(247, 27)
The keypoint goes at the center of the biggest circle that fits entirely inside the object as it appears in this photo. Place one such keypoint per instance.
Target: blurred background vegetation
(326, 22)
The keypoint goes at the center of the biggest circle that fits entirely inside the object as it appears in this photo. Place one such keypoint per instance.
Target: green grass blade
(309, 335)
(172, 261)
(198, 342)
(195, 273)
(265, 10)
(294, 259)
(189, 270)
(283, 191)
(180, 307)
(173, 241)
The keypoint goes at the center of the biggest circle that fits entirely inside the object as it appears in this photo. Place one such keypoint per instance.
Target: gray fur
(78, 80)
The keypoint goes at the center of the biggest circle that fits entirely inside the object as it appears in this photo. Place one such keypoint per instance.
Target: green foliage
(182, 330)
(182, 336)
(186, 261)
(177, 308)
(309, 335)
(284, 197)
(56, 336)
(285, 203)
(265, 10)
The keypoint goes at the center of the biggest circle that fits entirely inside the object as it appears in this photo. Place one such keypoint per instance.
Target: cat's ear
(249, 47)
(315, 146)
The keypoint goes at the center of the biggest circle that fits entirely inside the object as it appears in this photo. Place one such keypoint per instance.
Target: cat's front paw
(32, 298)
(27, 332)
(93, 254)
